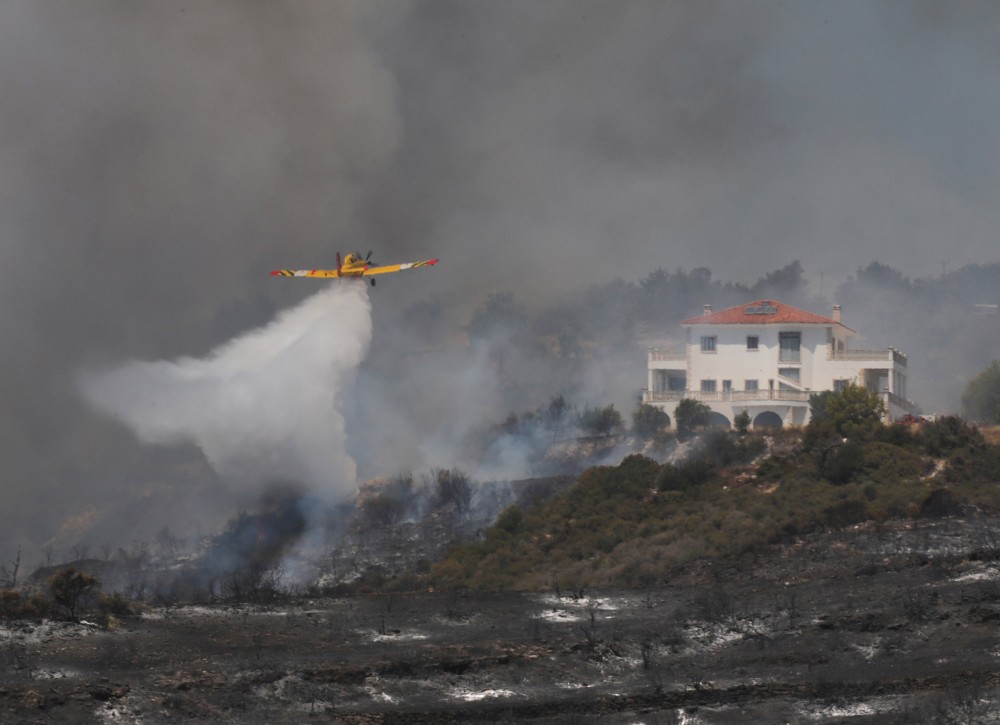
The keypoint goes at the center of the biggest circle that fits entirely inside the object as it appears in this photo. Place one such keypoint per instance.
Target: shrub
(10, 603)
(601, 421)
(118, 605)
(845, 513)
(949, 434)
(511, 520)
(637, 466)
(940, 503)
(69, 586)
(685, 476)
(24, 604)
(844, 463)
(113, 607)
(897, 435)
(887, 463)
(726, 450)
(974, 465)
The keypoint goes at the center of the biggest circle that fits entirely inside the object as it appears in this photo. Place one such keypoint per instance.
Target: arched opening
(767, 420)
(718, 421)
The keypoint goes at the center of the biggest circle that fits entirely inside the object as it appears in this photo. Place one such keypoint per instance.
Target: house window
(750, 386)
(752, 342)
(708, 386)
(840, 385)
(790, 373)
(790, 343)
(708, 344)
(727, 386)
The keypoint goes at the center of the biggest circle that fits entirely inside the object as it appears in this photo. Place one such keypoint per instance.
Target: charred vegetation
(750, 577)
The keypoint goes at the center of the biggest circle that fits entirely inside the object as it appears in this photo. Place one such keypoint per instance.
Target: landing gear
(373, 283)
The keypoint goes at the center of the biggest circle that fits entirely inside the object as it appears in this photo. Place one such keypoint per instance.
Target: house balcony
(896, 405)
(891, 356)
(726, 396)
(664, 356)
(660, 360)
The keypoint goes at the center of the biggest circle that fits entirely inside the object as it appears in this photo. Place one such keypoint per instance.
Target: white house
(767, 358)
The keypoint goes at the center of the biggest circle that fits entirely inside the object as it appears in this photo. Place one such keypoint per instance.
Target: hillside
(891, 620)
(637, 524)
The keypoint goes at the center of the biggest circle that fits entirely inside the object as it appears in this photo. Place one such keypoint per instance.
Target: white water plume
(261, 406)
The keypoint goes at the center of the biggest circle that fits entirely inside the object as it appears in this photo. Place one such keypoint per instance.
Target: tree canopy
(852, 412)
(691, 414)
(648, 420)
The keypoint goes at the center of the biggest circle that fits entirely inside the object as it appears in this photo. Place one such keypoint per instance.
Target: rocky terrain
(876, 623)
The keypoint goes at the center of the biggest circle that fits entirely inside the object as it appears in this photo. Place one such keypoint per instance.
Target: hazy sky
(157, 159)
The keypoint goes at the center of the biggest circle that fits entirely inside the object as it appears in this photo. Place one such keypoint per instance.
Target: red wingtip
(432, 261)
(275, 272)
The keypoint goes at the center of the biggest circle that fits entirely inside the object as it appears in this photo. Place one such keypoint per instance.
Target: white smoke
(263, 406)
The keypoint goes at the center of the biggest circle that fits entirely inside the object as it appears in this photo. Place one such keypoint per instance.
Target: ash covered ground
(871, 624)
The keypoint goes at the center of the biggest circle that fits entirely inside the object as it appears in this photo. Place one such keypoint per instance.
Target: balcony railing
(667, 356)
(908, 405)
(890, 355)
(735, 396)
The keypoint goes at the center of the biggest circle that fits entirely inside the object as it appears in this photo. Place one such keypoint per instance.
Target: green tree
(648, 420)
(853, 412)
(691, 414)
(817, 406)
(981, 399)
(742, 421)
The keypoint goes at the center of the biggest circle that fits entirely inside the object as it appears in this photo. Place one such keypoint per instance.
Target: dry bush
(24, 604)
(69, 588)
(991, 433)
(113, 607)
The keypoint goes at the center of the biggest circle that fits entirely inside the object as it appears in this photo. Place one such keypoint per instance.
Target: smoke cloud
(157, 159)
(265, 405)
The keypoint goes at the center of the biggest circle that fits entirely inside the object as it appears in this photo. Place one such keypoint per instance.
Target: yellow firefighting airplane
(354, 265)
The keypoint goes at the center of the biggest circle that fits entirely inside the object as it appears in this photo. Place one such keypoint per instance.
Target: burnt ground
(874, 624)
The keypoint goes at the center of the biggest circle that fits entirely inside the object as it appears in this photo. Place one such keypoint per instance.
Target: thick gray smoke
(157, 159)
(262, 407)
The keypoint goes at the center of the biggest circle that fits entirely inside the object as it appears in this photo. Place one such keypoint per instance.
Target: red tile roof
(761, 312)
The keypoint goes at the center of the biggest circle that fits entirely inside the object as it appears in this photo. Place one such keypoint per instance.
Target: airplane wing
(398, 267)
(325, 273)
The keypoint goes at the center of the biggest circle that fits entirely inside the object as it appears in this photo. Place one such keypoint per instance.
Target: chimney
(707, 309)
(836, 313)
